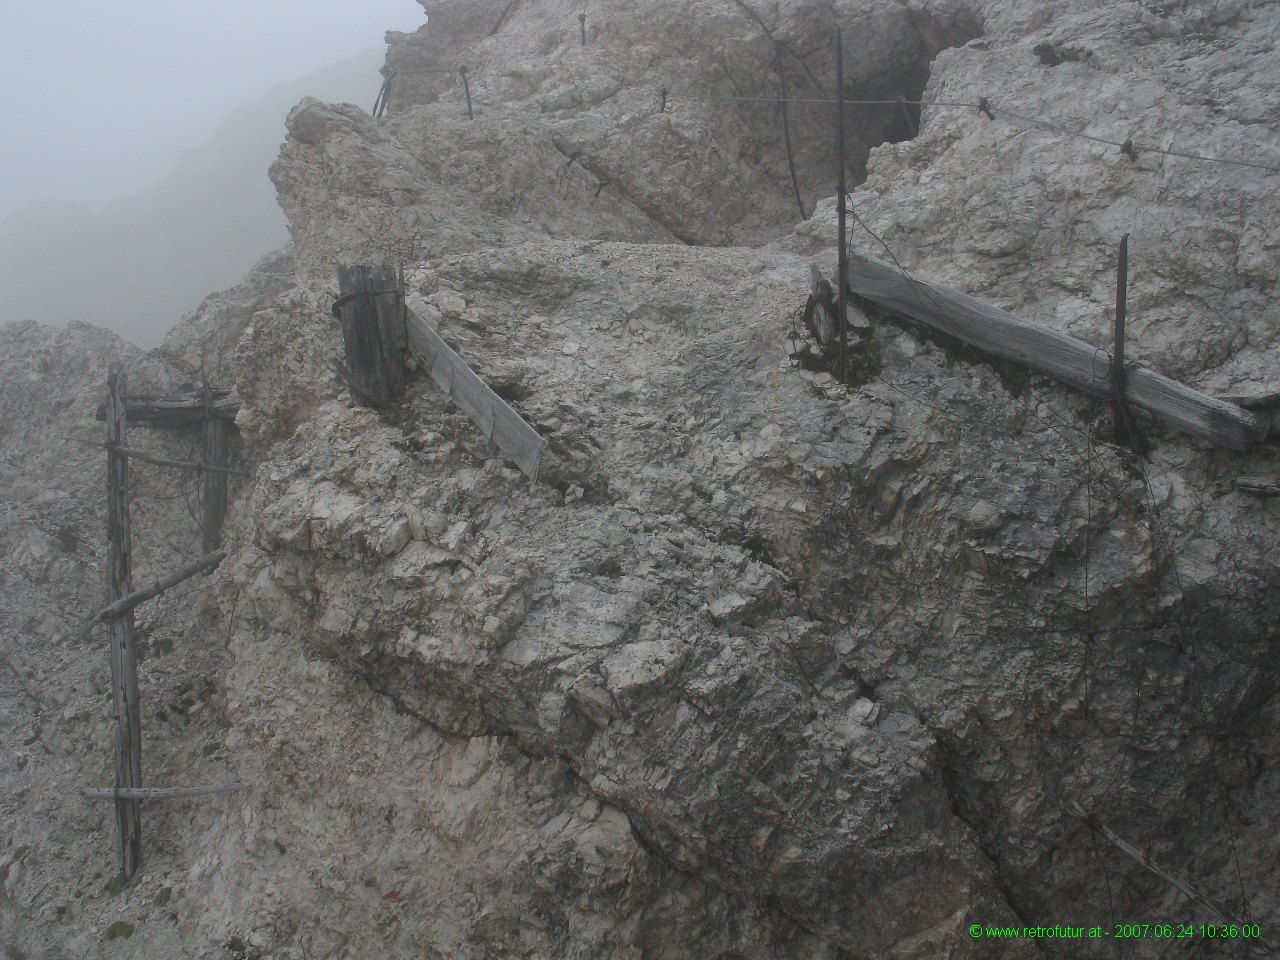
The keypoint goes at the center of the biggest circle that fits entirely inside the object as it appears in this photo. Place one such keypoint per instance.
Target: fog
(133, 171)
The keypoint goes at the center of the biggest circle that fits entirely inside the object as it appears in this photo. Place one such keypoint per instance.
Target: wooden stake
(127, 603)
(124, 665)
(1119, 417)
(157, 793)
(842, 315)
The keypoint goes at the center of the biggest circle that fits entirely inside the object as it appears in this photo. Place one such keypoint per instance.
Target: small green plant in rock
(120, 930)
(863, 364)
(401, 416)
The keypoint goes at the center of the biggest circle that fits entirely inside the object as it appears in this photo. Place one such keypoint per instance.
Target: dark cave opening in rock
(888, 57)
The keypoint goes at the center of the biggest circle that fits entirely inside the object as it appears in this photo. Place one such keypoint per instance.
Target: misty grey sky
(100, 97)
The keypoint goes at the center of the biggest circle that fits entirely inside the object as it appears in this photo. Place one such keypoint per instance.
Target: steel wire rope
(1136, 146)
(984, 104)
(1139, 148)
(1186, 642)
(1087, 612)
(916, 288)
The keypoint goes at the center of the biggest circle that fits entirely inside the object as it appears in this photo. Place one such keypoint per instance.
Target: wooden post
(389, 304)
(213, 483)
(842, 315)
(124, 665)
(1119, 417)
(582, 26)
(373, 332)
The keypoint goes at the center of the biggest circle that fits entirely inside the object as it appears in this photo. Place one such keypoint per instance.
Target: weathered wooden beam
(1259, 485)
(161, 461)
(499, 423)
(156, 793)
(369, 306)
(1048, 351)
(124, 664)
(184, 411)
(127, 603)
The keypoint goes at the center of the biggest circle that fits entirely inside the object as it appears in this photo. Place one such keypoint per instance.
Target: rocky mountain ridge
(771, 666)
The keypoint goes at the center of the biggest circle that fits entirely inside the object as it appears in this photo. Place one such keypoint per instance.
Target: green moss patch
(863, 362)
(120, 930)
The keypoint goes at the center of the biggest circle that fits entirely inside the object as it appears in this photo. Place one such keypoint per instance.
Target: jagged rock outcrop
(766, 666)
(204, 343)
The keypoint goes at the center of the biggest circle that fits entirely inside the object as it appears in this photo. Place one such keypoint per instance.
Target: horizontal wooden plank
(1262, 486)
(1051, 352)
(178, 411)
(156, 793)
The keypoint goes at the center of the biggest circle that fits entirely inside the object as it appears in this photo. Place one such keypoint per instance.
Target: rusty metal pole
(842, 321)
(1118, 415)
(466, 88)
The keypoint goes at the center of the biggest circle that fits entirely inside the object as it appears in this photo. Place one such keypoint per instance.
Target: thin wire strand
(1156, 533)
(1138, 147)
(1156, 527)
(985, 105)
(827, 100)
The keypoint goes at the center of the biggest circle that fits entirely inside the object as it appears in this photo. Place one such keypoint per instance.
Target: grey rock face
(767, 666)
